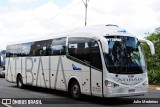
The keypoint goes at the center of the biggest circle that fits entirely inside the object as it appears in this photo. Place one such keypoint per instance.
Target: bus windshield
(125, 56)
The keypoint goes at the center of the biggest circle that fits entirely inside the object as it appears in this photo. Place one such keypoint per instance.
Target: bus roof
(93, 31)
(103, 30)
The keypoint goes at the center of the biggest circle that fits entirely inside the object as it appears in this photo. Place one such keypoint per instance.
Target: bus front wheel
(75, 90)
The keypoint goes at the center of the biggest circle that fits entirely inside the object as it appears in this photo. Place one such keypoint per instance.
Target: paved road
(61, 99)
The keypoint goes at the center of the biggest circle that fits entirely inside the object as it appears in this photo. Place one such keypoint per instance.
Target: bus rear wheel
(20, 82)
(75, 90)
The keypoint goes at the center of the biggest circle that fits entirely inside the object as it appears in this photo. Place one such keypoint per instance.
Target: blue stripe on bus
(75, 68)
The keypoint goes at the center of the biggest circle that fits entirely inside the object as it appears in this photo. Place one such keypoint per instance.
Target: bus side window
(23, 49)
(40, 48)
(49, 51)
(95, 55)
(11, 51)
(78, 48)
(58, 46)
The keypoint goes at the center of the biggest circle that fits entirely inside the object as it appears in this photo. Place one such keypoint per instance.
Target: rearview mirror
(105, 45)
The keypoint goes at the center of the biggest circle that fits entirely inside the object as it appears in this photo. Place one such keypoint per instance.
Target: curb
(157, 88)
(154, 87)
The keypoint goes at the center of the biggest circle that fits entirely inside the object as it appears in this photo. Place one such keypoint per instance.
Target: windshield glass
(125, 55)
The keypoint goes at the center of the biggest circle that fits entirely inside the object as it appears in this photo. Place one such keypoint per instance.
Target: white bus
(102, 60)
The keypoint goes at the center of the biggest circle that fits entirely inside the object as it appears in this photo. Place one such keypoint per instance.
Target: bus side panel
(82, 74)
(96, 82)
(68, 73)
(44, 69)
(36, 71)
(13, 67)
(9, 70)
(54, 76)
(18, 66)
(28, 67)
(86, 81)
(23, 70)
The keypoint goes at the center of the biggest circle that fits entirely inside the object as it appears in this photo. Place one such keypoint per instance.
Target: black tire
(20, 81)
(75, 90)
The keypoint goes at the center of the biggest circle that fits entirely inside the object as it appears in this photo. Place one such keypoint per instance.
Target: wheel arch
(71, 79)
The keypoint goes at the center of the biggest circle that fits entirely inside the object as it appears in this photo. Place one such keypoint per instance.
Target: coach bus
(100, 60)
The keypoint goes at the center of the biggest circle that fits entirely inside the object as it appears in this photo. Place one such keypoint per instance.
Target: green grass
(154, 77)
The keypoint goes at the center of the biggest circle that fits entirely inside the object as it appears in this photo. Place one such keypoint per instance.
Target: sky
(25, 19)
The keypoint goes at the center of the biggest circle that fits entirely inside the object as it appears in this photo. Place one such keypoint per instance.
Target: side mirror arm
(150, 44)
(105, 46)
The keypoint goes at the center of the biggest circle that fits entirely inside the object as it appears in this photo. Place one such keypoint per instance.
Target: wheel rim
(20, 82)
(75, 90)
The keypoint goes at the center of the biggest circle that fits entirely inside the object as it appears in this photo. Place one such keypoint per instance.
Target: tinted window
(125, 55)
(39, 48)
(58, 46)
(23, 49)
(85, 50)
(95, 55)
(11, 51)
(79, 48)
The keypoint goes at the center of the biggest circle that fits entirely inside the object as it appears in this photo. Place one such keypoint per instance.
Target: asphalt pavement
(40, 97)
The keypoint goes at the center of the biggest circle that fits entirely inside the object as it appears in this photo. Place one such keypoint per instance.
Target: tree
(153, 61)
(157, 30)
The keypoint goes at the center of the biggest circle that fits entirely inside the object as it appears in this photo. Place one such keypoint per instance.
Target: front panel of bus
(126, 72)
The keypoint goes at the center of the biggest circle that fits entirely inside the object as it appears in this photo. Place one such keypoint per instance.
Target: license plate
(131, 90)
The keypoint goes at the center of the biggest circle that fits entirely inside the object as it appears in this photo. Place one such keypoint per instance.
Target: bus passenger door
(96, 69)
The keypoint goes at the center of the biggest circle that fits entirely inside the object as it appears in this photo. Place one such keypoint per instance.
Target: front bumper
(125, 92)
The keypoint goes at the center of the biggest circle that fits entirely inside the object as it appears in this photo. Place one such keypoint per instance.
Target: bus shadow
(106, 101)
(44, 90)
(85, 99)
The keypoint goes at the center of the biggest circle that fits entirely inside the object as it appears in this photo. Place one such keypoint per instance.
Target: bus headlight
(110, 84)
